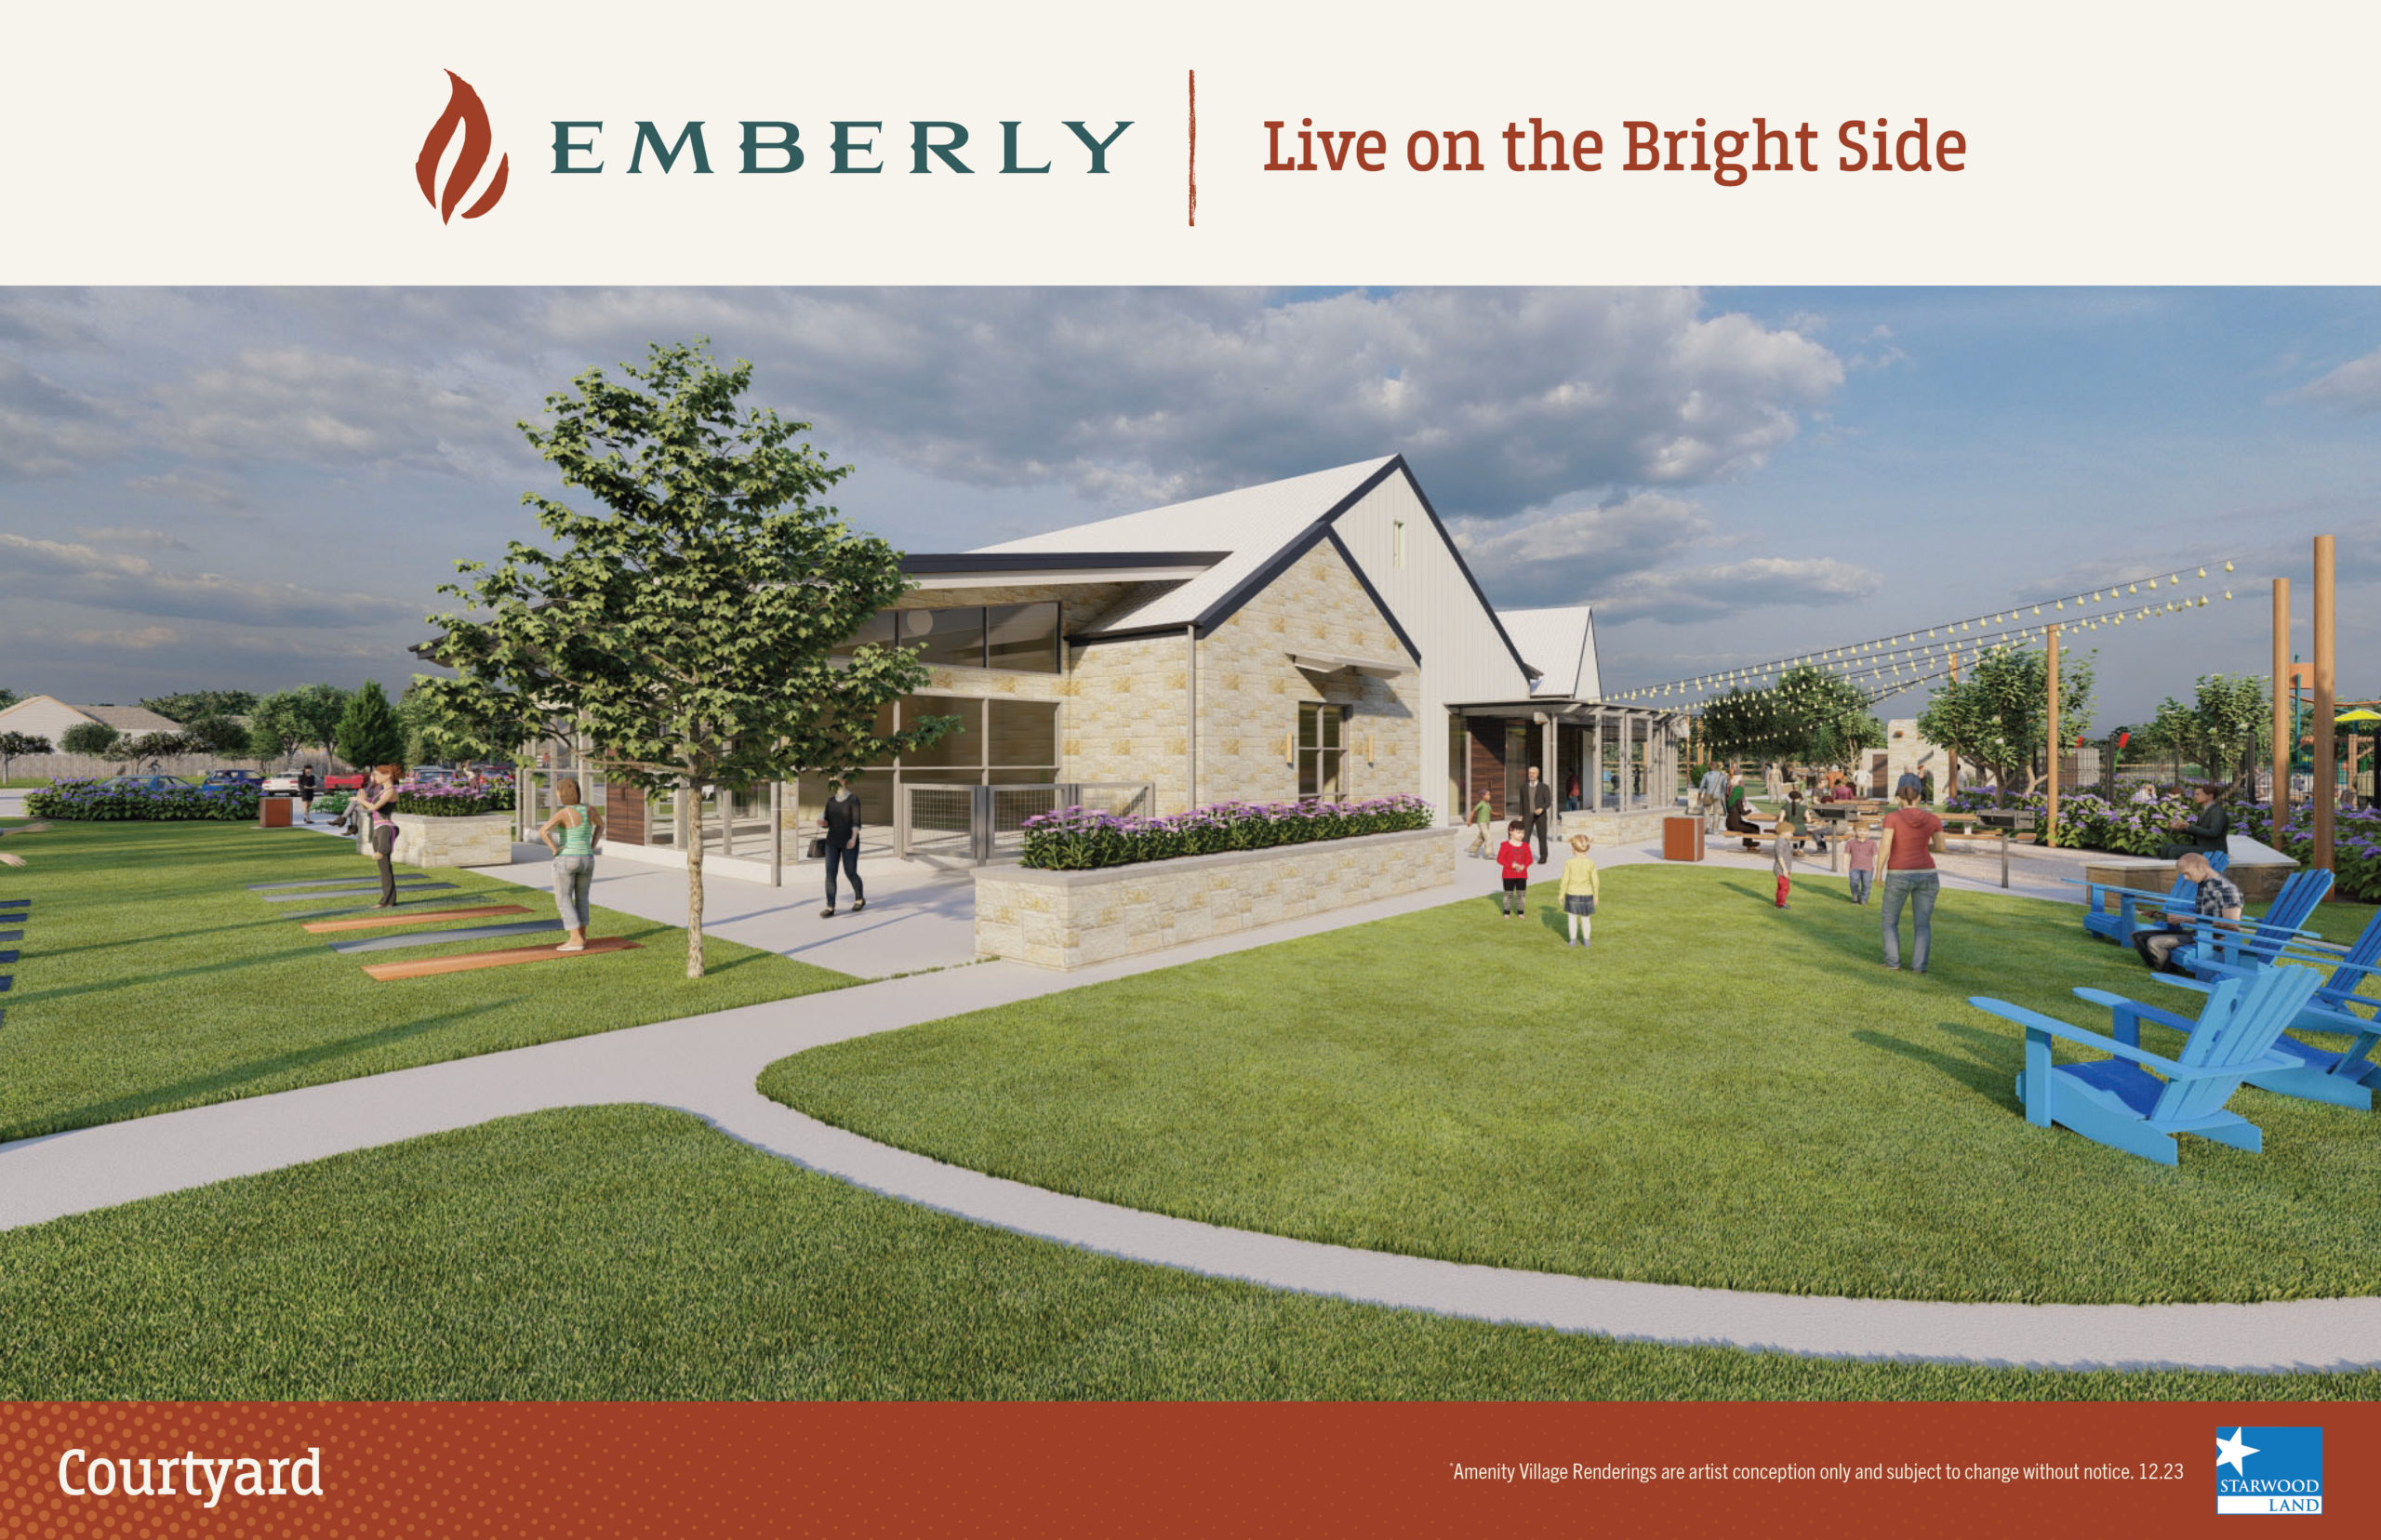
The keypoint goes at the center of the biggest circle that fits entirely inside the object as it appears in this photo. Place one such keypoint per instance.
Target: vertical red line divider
(1194, 149)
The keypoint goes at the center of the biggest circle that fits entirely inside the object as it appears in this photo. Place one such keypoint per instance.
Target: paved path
(707, 1065)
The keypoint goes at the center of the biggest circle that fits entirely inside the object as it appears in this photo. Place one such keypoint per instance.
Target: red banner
(1169, 1470)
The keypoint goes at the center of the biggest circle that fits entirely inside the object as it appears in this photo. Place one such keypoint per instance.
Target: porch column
(1627, 741)
(1595, 759)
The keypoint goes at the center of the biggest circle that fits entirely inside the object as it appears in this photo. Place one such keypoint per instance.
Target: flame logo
(463, 112)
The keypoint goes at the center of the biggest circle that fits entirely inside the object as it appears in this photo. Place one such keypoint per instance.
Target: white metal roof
(1559, 644)
(1251, 526)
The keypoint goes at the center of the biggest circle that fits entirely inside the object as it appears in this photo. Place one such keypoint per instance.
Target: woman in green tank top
(583, 830)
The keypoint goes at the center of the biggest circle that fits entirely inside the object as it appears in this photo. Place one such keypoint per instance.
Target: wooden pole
(2326, 794)
(2284, 717)
(1951, 777)
(2055, 741)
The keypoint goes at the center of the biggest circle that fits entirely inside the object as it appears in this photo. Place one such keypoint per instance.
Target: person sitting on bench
(2219, 898)
(2211, 834)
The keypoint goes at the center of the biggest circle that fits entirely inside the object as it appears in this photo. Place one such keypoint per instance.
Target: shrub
(1076, 838)
(2356, 843)
(90, 801)
(452, 801)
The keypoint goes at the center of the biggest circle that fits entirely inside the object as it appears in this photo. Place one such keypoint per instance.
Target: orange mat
(409, 916)
(423, 967)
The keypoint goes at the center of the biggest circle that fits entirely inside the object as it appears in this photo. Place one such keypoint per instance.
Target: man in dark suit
(1537, 800)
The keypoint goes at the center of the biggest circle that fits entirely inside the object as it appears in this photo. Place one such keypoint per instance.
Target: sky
(248, 489)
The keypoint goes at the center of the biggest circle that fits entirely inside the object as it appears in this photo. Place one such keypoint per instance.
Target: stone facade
(1068, 920)
(484, 839)
(1249, 691)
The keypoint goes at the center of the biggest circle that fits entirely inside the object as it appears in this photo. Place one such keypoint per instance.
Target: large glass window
(875, 632)
(1322, 768)
(1023, 638)
(961, 749)
(1022, 736)
(946, 638)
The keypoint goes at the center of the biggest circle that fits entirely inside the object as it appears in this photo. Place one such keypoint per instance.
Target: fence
(85, 767)
(980, 824)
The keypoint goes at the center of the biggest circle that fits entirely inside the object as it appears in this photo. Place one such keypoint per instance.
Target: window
(1396, 542)
(1320, 757)
(874, 631)
(1023, 638)
(997, 742)
(948, 638)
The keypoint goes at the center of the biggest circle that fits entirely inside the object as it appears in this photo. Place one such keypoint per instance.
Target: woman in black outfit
(380, 801)
(841, 822)
(306, 792)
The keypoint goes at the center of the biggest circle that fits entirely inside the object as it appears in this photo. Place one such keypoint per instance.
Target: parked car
(435, 775)
(284, 784)
(344, 780)
(145, 783)
(233, 777)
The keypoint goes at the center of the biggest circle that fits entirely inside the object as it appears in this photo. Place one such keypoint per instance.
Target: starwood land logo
(464, 115)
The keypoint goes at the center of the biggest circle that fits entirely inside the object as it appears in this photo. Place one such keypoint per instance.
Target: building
(1316, 637)
(48, 717)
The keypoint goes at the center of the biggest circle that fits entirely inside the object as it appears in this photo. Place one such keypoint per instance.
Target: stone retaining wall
(481, 839)
(1068, 919)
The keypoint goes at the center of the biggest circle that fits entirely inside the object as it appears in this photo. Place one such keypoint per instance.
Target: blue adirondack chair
(2120, 924)
(2118, 1102)
(2216, 951)
(2345, 1078)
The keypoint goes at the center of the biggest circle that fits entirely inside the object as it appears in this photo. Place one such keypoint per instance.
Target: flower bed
(453, 802)
(91, 802)
(2086, 821)
(1076, 839)
(2356, 843)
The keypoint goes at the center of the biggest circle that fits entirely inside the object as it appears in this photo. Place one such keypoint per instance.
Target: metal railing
(981, 824)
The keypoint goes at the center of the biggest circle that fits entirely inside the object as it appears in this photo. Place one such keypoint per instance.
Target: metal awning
(1315, 662)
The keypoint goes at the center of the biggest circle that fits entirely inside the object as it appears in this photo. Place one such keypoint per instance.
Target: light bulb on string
(2228, 566)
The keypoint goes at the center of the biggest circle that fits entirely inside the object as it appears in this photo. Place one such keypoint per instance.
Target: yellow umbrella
(2363, 713)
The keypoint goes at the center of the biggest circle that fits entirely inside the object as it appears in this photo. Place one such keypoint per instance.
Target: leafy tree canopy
(191, 706)
(688, 628)
(94, 739)
(368, 731)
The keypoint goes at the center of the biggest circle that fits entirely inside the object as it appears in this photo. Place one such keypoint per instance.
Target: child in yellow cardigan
(1579, 886)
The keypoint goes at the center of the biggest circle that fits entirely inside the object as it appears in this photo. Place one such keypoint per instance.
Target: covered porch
(1603, 760)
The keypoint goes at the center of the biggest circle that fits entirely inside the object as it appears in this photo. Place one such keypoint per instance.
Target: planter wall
(1068, 919)
(481, 839)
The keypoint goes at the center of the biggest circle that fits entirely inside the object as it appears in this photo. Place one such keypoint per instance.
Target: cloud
(120, 535)
(2355, 386)
(1504, 400)
(1562, 556)
(180, 486)
(336, 411)
(87, 575)
(1711, 592)
(146, 639)
(46, 428)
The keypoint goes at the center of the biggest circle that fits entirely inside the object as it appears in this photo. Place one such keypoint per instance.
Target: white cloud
(1713, 591)
(2355, 386)
(82, 574)
(303, 404)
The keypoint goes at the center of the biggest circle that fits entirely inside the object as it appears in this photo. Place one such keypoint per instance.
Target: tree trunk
(691, 831)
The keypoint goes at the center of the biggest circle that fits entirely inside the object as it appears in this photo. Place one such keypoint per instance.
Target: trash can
(1683, 838)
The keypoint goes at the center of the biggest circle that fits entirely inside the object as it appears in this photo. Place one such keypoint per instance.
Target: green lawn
(150, 978)
(632, 1252)
(1718, 1094)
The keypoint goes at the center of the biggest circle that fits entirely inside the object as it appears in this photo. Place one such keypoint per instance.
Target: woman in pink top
(1905, 863)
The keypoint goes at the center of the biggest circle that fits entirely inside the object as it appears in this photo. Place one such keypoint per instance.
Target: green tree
(368, 731)
(1998, 716)
(219, 735)
(192, 706)
(15, 744)
(91, 740)
(7, 698)
(150, 748)
(2221, 731)
(1822, 718)
(1743, 724)
(318, 709)
(688, 629)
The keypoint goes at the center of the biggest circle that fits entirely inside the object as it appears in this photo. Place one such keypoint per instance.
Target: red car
(344, 780)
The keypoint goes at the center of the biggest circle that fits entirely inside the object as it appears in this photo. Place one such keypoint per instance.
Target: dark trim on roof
(1464, 567)
(935, 564)
(1239, 593)
(1373, 594)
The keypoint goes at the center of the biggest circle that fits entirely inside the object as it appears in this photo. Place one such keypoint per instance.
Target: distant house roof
(1246, 529)
(1561, 642)
(130, 719)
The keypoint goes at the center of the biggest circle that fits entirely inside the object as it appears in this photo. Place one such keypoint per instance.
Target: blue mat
(433, 938)
(12, 935)
(318, 895)
(6, 981)
(14, 903)
(8, 957)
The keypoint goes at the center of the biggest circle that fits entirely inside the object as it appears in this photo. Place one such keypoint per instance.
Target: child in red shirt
(1513, 858)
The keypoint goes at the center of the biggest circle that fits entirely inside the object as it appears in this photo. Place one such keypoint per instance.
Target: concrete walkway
(706, 1065)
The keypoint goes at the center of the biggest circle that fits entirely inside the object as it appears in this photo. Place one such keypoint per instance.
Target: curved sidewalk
(706, 1065)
